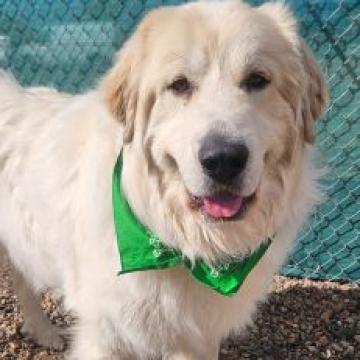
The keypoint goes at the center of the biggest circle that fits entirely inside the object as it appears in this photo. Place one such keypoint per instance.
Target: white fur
(57, 154)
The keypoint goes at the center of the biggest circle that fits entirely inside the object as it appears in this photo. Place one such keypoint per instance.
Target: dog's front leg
(36, 324)
(89, 343)
(210, 352)
(94, 341)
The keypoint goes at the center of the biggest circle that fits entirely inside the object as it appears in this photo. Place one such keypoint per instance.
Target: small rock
(338, 306)
(13, 347)
(323, 340)
(337, 347)
(293, 339)
(357, 338)
(326, 315)
(312, 348)
(349, 350)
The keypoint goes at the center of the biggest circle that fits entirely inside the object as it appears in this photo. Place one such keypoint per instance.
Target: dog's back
(25, 115)
(43, 134)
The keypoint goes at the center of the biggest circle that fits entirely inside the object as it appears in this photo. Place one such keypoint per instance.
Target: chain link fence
(68, 44)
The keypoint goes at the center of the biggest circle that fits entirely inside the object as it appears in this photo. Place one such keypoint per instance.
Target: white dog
(212, 106)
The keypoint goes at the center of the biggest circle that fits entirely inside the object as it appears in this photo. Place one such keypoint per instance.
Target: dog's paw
(44, 335)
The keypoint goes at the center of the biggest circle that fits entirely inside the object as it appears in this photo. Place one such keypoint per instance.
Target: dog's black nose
(223, 160)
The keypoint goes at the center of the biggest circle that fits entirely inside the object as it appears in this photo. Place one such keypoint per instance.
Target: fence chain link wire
(68, 44)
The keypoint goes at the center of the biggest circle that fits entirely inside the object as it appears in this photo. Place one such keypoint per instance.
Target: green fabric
(140, 249)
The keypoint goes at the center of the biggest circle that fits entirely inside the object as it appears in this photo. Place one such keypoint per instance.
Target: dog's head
(221, 99)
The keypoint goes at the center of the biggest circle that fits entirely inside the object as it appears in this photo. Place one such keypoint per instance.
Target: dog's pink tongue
(224, 205)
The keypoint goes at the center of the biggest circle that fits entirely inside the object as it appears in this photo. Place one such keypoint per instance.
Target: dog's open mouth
(223, 205)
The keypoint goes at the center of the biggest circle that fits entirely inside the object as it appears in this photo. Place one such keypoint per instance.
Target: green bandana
(140, 249)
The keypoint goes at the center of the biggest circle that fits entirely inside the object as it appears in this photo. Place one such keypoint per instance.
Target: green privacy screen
(70, 43)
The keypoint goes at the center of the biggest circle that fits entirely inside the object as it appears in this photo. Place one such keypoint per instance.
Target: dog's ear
(120, 86)
(315, 97)
(305, 79)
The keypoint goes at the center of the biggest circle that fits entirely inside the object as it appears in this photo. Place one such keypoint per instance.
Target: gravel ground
(301, 320)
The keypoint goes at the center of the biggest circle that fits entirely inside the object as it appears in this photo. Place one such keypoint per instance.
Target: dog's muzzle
(223, 161)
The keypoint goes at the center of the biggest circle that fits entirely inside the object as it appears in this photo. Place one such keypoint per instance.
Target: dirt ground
(302, 320)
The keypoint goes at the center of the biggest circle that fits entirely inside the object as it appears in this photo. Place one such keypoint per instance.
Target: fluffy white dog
(212, 106)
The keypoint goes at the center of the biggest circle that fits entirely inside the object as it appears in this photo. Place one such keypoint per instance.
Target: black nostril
(235, 162)
(210, 163)
(223, 160)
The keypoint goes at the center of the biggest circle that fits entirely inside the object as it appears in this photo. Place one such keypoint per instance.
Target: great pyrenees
(208, 112)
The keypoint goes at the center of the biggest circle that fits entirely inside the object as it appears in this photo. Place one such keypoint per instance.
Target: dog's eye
(255, 81)
(180, 86)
